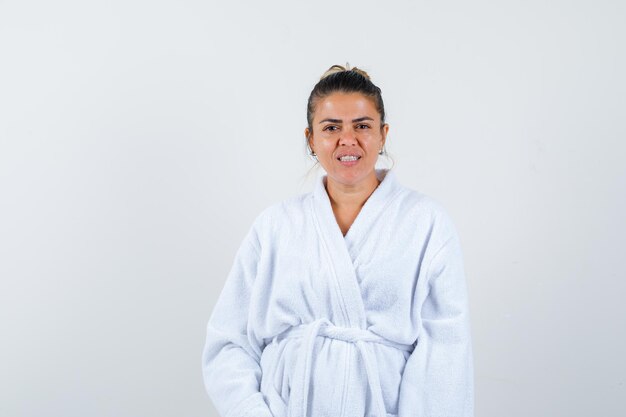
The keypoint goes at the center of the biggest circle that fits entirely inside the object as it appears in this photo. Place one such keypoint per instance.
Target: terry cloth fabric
(375, 323)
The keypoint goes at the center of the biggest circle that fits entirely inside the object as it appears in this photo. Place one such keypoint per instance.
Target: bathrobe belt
(298, 400)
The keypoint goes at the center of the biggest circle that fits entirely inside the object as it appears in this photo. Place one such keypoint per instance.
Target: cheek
(326, 137)
(372, 143)
(328, 143)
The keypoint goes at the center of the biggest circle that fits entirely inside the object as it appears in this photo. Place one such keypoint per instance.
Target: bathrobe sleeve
(438, 379)
(231, 356)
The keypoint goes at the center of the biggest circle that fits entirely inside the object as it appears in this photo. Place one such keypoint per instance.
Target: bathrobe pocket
(274, 385)
(391, 363)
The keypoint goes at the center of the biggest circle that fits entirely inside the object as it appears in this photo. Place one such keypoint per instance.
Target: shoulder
(426, 213)
(283, 215)
(423, 205)
(282, 210)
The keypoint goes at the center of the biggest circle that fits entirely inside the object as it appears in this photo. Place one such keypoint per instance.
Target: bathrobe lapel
(342, 251)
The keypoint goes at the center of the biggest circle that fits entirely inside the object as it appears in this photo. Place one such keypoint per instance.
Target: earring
(380, 151)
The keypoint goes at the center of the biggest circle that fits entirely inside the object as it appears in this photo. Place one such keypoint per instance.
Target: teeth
(349, 158)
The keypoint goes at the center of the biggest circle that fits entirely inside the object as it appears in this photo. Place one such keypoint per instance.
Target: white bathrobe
(373, 324)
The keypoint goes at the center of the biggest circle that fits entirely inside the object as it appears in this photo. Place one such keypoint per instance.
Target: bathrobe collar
(342, 251)
(371, 211)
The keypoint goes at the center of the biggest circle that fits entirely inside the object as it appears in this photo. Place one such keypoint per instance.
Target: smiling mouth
(349, 158)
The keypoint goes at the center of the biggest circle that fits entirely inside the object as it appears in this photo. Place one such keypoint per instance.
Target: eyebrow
(360, 119)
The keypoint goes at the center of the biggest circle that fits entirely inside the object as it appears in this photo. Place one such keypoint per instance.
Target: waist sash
(298, 401)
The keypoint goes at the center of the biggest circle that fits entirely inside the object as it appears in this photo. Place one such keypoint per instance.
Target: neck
(343, 195)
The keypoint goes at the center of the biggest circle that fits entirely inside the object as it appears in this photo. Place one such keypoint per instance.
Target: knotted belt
(298, 401)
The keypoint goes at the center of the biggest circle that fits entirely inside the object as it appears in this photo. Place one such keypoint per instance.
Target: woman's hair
(344, 80)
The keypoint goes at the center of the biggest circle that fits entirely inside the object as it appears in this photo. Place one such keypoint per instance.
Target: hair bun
(338, 68)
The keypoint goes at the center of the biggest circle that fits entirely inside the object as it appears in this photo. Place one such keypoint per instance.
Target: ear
(385, 130)
(309, 137)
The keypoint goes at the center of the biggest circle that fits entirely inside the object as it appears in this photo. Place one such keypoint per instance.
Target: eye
(331, 128)
(363, 126)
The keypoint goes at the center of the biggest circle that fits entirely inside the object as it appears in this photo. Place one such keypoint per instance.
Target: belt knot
(298, 404)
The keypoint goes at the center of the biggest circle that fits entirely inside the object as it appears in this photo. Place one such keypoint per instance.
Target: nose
(348, 136)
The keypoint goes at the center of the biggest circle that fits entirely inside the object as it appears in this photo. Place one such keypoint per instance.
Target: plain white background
(138, 140)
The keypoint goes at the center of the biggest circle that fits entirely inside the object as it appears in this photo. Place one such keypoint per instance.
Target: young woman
(350, 300)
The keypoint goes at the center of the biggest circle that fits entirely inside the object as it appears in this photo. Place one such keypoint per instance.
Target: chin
(351, 178)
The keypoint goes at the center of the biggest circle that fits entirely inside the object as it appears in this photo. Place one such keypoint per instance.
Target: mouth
(349, 158)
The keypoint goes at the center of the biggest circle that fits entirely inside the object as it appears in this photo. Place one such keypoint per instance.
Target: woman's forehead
(347, 104)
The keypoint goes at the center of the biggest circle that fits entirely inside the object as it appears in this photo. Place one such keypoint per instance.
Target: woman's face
(347, 137)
